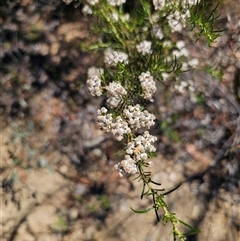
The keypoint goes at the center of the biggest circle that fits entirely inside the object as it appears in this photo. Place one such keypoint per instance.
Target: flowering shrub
(139, 51)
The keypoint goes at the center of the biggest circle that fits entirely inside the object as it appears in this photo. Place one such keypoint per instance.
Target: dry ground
(57, 176)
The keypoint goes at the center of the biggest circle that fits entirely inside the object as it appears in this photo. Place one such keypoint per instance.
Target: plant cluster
(139, 51)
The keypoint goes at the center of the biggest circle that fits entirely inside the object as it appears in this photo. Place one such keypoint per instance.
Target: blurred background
(58, 180)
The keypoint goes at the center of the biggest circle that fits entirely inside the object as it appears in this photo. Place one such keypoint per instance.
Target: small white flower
(180, 44)
(157, 32)
(120, 127)
(92, 2)
(167, 44)
(190, 2)
(94, 86)
(185, 66)
(158, 4)
(140, 146)
(165, 76)
(148, 85)
(120, 170)
(176, 53)
(94, 81)
(138, 119)
(116, 89)
(144, 47)
(194, 62)
(127, 165)
(125, 17)
(175, 22)
(113, 102)
(112, 58)
(181, 87)
(114, 16)
(86, 10)
(116, 2)
(115, 92)
(104, 120)
(184, 52)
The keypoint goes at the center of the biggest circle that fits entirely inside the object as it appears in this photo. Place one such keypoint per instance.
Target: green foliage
(215, 72)
(102, 202)
(61, 225)
(105, 201)
(204, 24)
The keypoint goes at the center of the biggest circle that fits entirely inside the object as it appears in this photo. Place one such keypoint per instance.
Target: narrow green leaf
(160, 190)
(193, 230)
(141, 211)
(172, 190)
(156, 183)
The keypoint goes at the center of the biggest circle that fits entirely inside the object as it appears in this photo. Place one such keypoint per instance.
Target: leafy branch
(139, 49)
(158, 196)
(205, 24)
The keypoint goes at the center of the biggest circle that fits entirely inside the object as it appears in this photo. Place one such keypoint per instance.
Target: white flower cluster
(158, 4)
(116, 2)
(94, 81)
(115, 92)
(138, 119)
(92, 2)
(144, 47)
(157, 32)
(184, 4)
(125, 17)
(182, 50)
(114, 16)
(112, 58)
(165, 76)
(181, 87)
(194, 62)
(104, 120)
(140, 146)
(120, 127)
(133, 118)
(148, 85)
(127, 165)
(137, 150)
(175, 22)
(187, 87)
(190, 2)
(106, 123)
(94, 86)
(86, 10)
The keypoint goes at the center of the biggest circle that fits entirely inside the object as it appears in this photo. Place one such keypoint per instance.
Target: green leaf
(141, 211)
(193, 230)
(172, 190)
(159, 184)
